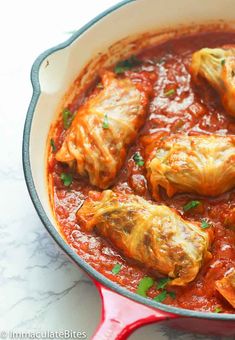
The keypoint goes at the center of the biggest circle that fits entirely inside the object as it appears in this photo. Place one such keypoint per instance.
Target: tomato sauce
(191, 109)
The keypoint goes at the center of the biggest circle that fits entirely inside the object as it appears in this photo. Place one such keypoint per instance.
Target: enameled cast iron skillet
(52, 74)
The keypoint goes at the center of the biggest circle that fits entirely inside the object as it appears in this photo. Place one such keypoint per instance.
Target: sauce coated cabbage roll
(104, 127)
(154, 235)
(226, 287)
(203, 164)
(217, 66)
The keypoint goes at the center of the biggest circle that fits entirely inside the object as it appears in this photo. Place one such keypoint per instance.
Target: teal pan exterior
(43, 216)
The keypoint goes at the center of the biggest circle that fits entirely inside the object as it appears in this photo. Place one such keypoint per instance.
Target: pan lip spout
(39, 207)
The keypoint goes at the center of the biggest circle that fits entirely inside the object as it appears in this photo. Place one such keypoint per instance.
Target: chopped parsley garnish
(191, 205)
(66, 179)
(205, 224)
(169, 93)
(116, 269)
(52, 143)
(67, 118)
(162, 283)
(172, 295)
(138, 159)
(144, 285)
(161, 297)
(126, 64)
(217, 310)
(223, 62)
(105, 122)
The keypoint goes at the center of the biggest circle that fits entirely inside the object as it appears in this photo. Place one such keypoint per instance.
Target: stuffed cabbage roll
(226, 287)
(104, 127)
(154, 235)
(203, 164)
(217, 66)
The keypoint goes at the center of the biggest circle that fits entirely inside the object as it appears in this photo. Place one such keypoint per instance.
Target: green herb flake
(217, 310)
(126, 64)
(161, 297)
(144, 285)
(116, 269)
(105, 122)
(169, 93)
(67, 118)
(138, 159)
(172, 295)
(52, 143)
(191, 205)
(162, 283)
(223, 62)
(205, 224)
(66, 179)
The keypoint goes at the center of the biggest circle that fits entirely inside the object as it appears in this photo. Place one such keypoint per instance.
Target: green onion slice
(144, 285)
(162, 283)
(205, 224)
(52, 143)
(169, 93)
(105, 122)
(116, 269)
(67, 118)
(126, 64)
(161, 297)
(138, 159)
(66, 179)
(191, 205)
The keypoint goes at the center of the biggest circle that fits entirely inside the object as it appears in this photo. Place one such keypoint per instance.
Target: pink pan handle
(121, 316)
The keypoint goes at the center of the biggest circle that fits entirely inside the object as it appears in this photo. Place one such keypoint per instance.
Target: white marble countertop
(40, 289)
